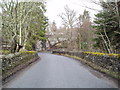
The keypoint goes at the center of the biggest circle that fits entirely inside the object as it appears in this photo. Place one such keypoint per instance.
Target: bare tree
(69, 20)
(69, 17)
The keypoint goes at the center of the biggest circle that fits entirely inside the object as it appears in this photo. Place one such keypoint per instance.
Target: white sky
(55, 7)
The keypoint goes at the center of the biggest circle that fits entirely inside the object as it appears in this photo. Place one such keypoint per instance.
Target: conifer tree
(107, 28)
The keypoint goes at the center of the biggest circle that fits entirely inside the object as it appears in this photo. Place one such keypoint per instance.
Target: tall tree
(85, 31)
(23, 23)
(69, 21)
(106, 25)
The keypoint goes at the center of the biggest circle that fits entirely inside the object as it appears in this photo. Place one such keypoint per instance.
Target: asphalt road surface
(55, 71)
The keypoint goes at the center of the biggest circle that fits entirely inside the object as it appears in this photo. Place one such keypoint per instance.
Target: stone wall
(14, 62)
(108, 62)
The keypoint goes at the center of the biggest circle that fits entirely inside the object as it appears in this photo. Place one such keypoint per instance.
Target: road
(55, 71)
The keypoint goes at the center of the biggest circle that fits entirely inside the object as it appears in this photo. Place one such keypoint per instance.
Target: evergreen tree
(106, 25)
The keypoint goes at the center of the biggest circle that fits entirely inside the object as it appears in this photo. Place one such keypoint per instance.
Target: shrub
(98, 53)
(28, 52)
(4, 52)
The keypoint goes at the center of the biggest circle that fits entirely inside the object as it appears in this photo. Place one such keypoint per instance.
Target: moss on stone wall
(12, 61)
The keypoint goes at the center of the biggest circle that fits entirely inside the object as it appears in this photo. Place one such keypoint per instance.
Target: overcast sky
(55, 7)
